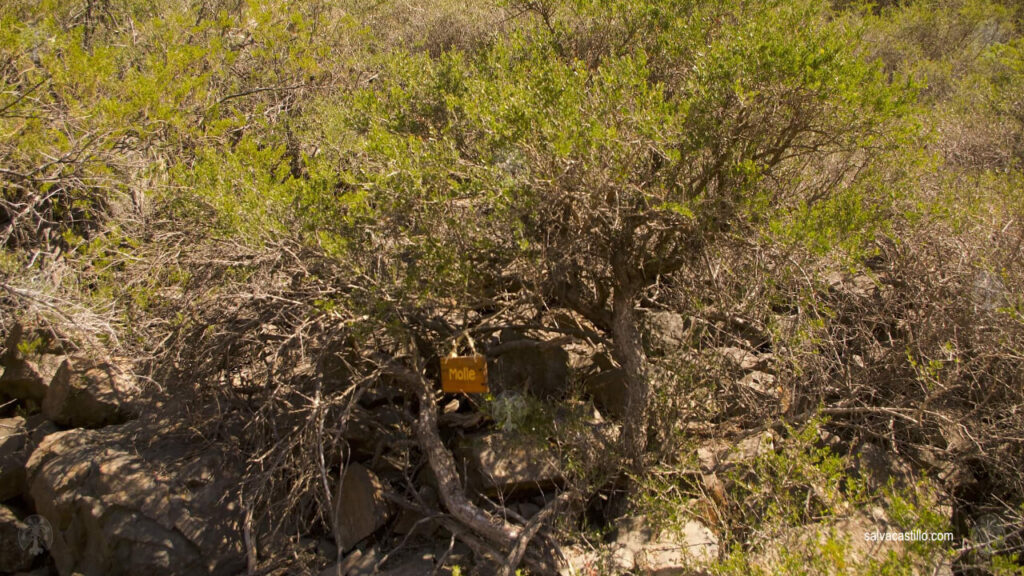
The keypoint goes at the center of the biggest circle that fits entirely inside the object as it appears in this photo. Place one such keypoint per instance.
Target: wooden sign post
(466, 374)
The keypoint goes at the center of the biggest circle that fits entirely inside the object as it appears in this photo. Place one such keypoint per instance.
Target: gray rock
(12, 557)
(809, 538)
(720, 455)
(526, 509)
(90, 394)
(694, 543)
(854, 285)
(665, 333)
(13, 455)
(504, 463)
(360, 506)
(663, 552)
(745, 359)
(760, 382)
(580, 561)
(118, 506)
(989, 292)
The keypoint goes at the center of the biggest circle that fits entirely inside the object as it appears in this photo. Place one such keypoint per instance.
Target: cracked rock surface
(122, 505)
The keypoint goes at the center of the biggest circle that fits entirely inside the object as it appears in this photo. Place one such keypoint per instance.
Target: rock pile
(122, 507)
(94, 491)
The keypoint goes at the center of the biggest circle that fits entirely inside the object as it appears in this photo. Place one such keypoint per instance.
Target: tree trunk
(629, 353)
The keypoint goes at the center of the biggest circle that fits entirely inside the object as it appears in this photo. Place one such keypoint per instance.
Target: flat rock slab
(674, 553)
(360, 506)
(848, 535)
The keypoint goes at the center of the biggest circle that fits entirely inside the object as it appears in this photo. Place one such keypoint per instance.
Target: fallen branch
(531, 529)
(483, 550)
(441, 463)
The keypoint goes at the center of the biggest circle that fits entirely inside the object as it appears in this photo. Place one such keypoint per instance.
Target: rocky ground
(129, 488)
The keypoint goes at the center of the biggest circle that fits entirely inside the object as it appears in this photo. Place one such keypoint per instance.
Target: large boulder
(694, 543)
(38, 427)
(760, 382)
(135, 500)
(27, 378)
(18, 438)
(503, 463)
(360, 507)
(13, 556)
(523, 365)
(13, 455)
(89, 394)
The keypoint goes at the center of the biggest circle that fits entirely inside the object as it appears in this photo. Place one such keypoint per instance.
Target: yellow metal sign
(467, 374)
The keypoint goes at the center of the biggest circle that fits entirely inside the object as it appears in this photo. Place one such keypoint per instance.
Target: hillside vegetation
(753, 270)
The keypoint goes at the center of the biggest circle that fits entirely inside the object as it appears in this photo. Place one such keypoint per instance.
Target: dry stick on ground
(531, 529)
(251, 557)
(484, 550)
(452, 495)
